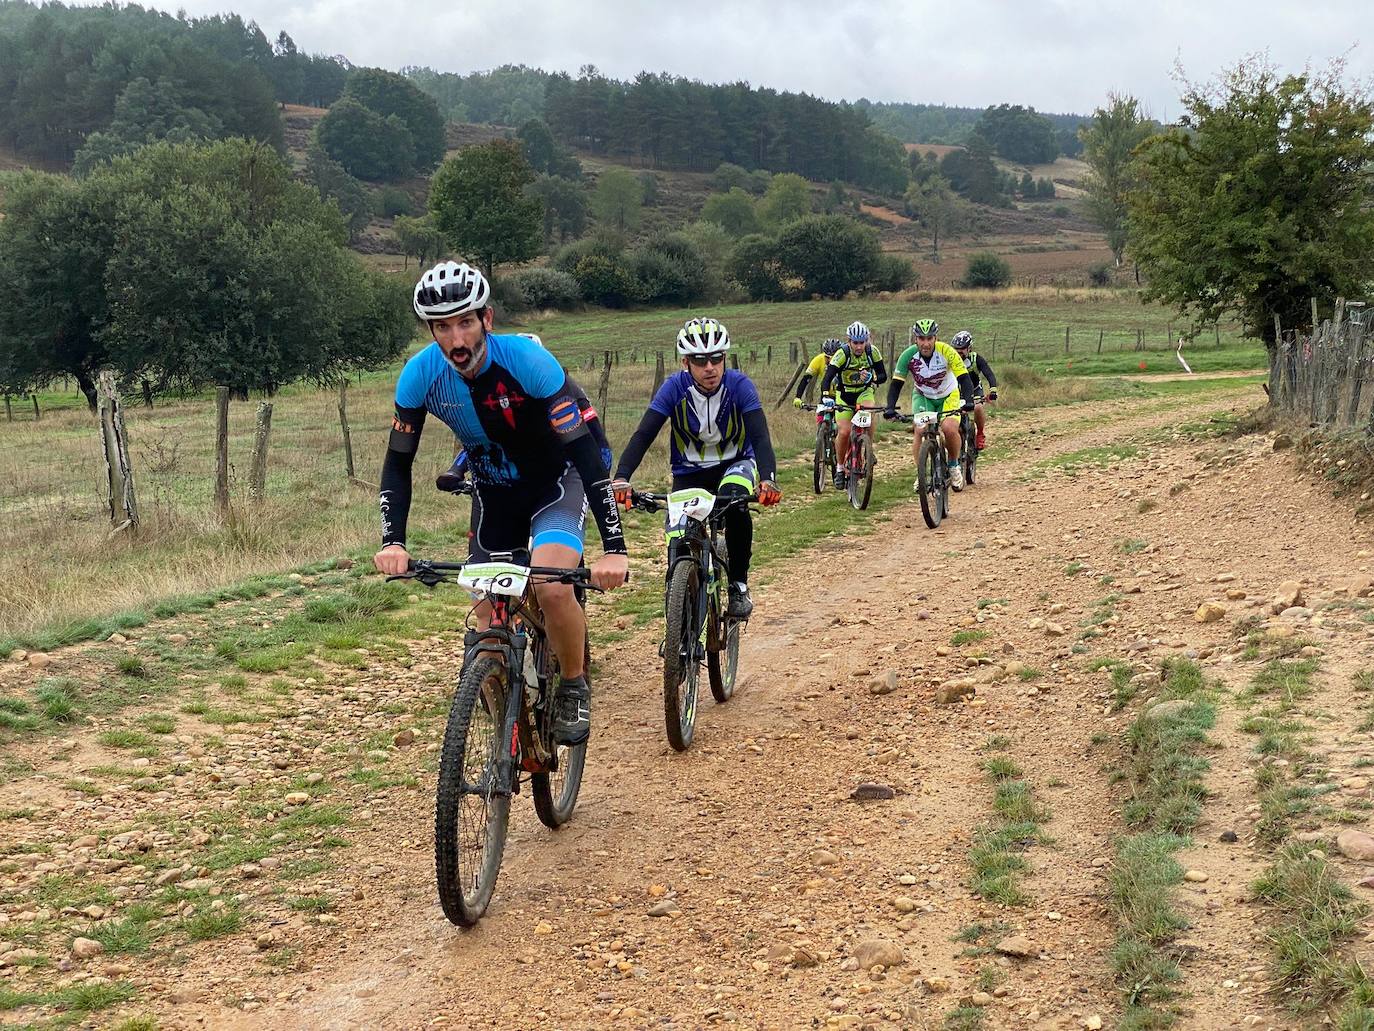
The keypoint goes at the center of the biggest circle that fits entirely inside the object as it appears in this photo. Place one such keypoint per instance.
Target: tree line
(112, 78)
(671, 122)
(952, 126)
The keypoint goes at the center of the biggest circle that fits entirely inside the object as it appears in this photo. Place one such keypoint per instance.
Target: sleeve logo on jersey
(565, 416)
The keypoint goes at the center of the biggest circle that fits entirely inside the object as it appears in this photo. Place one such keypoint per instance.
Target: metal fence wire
(1327, 376)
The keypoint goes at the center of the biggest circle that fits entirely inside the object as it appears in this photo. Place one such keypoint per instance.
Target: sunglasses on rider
(703, 360)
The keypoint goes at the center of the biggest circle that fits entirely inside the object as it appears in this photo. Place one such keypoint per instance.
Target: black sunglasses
(703, 360)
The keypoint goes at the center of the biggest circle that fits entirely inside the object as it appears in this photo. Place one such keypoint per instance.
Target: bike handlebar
(648, 502)
(431, 573)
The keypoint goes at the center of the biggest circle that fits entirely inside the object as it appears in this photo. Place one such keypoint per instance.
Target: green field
(58, 566)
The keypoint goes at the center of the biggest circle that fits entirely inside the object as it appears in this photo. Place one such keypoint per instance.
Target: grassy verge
(1165, 772)
(997, 859)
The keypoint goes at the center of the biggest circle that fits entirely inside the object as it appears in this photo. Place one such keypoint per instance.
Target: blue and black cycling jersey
(707, 430)
(518, 420)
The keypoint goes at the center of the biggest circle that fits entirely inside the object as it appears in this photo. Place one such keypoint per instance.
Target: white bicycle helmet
(702, 336)
(962, 340)
(857, 332)
(449, 289)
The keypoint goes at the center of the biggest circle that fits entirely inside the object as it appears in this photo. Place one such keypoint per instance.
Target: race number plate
(693, 503)
(503, 578)
(863, 419)
(924, 418)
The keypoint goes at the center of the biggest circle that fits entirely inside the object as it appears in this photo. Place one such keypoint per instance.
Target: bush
(986, 271)
(689, 270)
(392, 201)
(606, 280)
(506, 297)
(1061, 211)
(1100, 275)
(657, 279)
(830, 254)
(547, 288)
(754, 266)
(566, 258)
(892, 273)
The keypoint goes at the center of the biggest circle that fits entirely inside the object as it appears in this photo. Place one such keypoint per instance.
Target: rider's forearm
(805, 382)
(966, 386)
(394, 499)
(638, 445)
(879, 373)
(894, 393)
(596, 482)
(985, 370)
(756, 432)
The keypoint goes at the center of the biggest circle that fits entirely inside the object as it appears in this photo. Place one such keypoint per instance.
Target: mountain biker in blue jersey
(719, 442)
(535, 465)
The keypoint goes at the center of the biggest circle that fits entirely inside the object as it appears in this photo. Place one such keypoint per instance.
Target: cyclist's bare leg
(563, 617)
(978, 417)
(841, 442)
(950, 428)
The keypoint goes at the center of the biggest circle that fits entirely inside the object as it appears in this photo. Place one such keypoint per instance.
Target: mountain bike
(500, 727)
(968, 445)
(932, 469)
(862, 459)
(823, 462)
(697, 625)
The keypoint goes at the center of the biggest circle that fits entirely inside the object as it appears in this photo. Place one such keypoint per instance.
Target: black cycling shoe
(572, 715)
(741, 605)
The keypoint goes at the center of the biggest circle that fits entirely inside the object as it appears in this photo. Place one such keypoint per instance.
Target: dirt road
(777, 875)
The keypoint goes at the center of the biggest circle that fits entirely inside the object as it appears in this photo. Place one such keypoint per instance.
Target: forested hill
(937, 123)
(68, 74)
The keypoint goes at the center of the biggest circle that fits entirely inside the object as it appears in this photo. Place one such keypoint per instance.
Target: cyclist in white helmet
(719, 443)
(857, 370)
(532, 458)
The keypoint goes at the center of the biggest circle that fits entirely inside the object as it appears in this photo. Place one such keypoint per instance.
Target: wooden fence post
(1315, 321)
(658, 375)
(1100, 333)
(604, 387)
(792, 352)
(119, 476)
(1066, 341)
(787, 390)
(9, 411)
(343, 424)
(734, 360)
(257, 476)
(769, 359)
(222, 450)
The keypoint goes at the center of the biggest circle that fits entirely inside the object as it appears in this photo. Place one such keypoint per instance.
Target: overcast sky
(1051, 54)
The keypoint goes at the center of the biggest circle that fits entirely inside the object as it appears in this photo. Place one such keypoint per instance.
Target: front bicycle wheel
(861, 480)
(929, 481)
(555, 790)
(472, 810)
(682, 648)
(819, 461)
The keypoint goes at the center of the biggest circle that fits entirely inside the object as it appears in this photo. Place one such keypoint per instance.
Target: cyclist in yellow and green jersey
(816, 369)
(857, 370)
(940, 384)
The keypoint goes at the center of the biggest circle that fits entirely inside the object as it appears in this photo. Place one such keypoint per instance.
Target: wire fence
(1327, 375)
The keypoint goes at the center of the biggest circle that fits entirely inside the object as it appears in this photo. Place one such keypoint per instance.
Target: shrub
(606, 280)
(1061, 211)
(1100, 274)
(830, 254)
(754, 265)
(547, 288)
(392, 201)
(506, 297)
(689, 272)
(892, 272)
(986, 271)
(566, 258)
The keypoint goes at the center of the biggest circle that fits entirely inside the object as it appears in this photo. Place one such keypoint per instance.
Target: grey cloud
(1056, 55)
